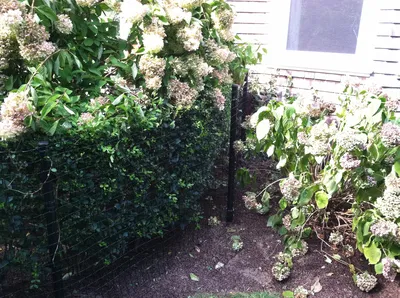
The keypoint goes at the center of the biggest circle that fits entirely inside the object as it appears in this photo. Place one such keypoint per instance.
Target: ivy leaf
(282, 161)
(378, 268)
(322, 199)
(194, 277)
(372, 253)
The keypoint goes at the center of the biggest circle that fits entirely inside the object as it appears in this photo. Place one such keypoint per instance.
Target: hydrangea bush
(72, 64)
(341, 161)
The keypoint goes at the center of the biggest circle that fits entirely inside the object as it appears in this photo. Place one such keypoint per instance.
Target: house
(318, 42)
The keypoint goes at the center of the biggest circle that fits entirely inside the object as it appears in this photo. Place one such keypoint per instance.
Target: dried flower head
(389, 204)
(85, 118)
(349, 162)
(219, 99)
(335, 238)
(181, 93)
(390, 134)
(152, 69)
(280, 271)
(290, 188)
(301, 292)
(214, 221)
(365, 281)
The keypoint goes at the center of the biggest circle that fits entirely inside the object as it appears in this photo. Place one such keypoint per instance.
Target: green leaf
(307, 194)
(88, 42)
(47, 12)
(274, 220)
(53, 128)
(49, 106)
(322, 199)
(378, 268)
(288, 294)
(134, 71)
(194, 277)
(69, 110)
(372, 253)
(396, 167)
(118, 100)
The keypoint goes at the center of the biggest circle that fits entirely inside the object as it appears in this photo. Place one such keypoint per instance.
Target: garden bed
(249, 270)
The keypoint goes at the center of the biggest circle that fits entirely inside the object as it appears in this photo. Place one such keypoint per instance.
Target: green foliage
(338, 156)
(134, 126)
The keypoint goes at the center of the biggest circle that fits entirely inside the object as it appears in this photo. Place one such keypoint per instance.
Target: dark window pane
(324, 25)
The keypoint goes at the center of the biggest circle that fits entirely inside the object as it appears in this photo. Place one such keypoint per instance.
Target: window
(328, 35)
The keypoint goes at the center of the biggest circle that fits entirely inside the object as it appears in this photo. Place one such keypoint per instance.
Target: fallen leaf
(336, 257)
(316, 287)
(197, 248)
(328, 260)
(219, 265)
(329, 274)
(194, 277)
(191, 255)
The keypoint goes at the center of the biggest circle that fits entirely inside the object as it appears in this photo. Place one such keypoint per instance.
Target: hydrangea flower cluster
(222, 75)
(33, 44)
(181, 93)
(365, 281)
(389, 203)
(64, 24)
(85, 118)
(319, 139)
(335, 238)
(214, 221)
(223, 21)
(216, 54)
(384, 228)
(351, 139)
(190, 4)
(190, 36)
(132, 12)
(300, 249)
(86, 3)
(152, 69)
(219, 99)
(153, 36)
(349, 161)
(390, 268)
(13, 112)
(281, 269)
(237, 243)
(301, 292)
(390, 134)
(393, 104)
(290, 188)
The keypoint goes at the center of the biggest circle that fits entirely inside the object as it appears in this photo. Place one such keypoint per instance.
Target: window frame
(360, 63)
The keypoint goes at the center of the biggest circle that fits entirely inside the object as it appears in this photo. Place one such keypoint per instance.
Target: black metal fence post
(244, 106)
(53, 233)
(232, 157)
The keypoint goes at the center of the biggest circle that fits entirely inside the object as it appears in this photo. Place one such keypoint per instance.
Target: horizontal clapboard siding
(386, 56)
(253, 24)
(251, 21)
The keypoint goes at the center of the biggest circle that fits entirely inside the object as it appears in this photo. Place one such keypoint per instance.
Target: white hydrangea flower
(290, 188)
(384, 228)
(64, 24)
(86, 3)
(153, 43)
(132, 12)
(390, 134)
(351, 139)
(190, 36)
(335, 238)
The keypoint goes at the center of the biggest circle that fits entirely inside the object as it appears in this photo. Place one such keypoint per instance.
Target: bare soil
(198, 251)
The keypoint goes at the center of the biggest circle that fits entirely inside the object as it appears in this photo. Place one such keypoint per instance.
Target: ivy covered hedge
(131, 96)
(110, 190)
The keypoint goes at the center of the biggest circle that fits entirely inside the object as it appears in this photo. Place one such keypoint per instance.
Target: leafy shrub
(341, 161)
(131, 96)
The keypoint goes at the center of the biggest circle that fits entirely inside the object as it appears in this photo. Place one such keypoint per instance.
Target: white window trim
(359, 63)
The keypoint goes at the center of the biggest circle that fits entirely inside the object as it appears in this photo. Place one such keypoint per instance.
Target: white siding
(252, 25)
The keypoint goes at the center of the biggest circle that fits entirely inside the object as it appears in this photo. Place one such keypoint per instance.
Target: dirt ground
(248, 270)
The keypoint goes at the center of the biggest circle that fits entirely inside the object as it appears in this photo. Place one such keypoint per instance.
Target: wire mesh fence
(74, 225)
